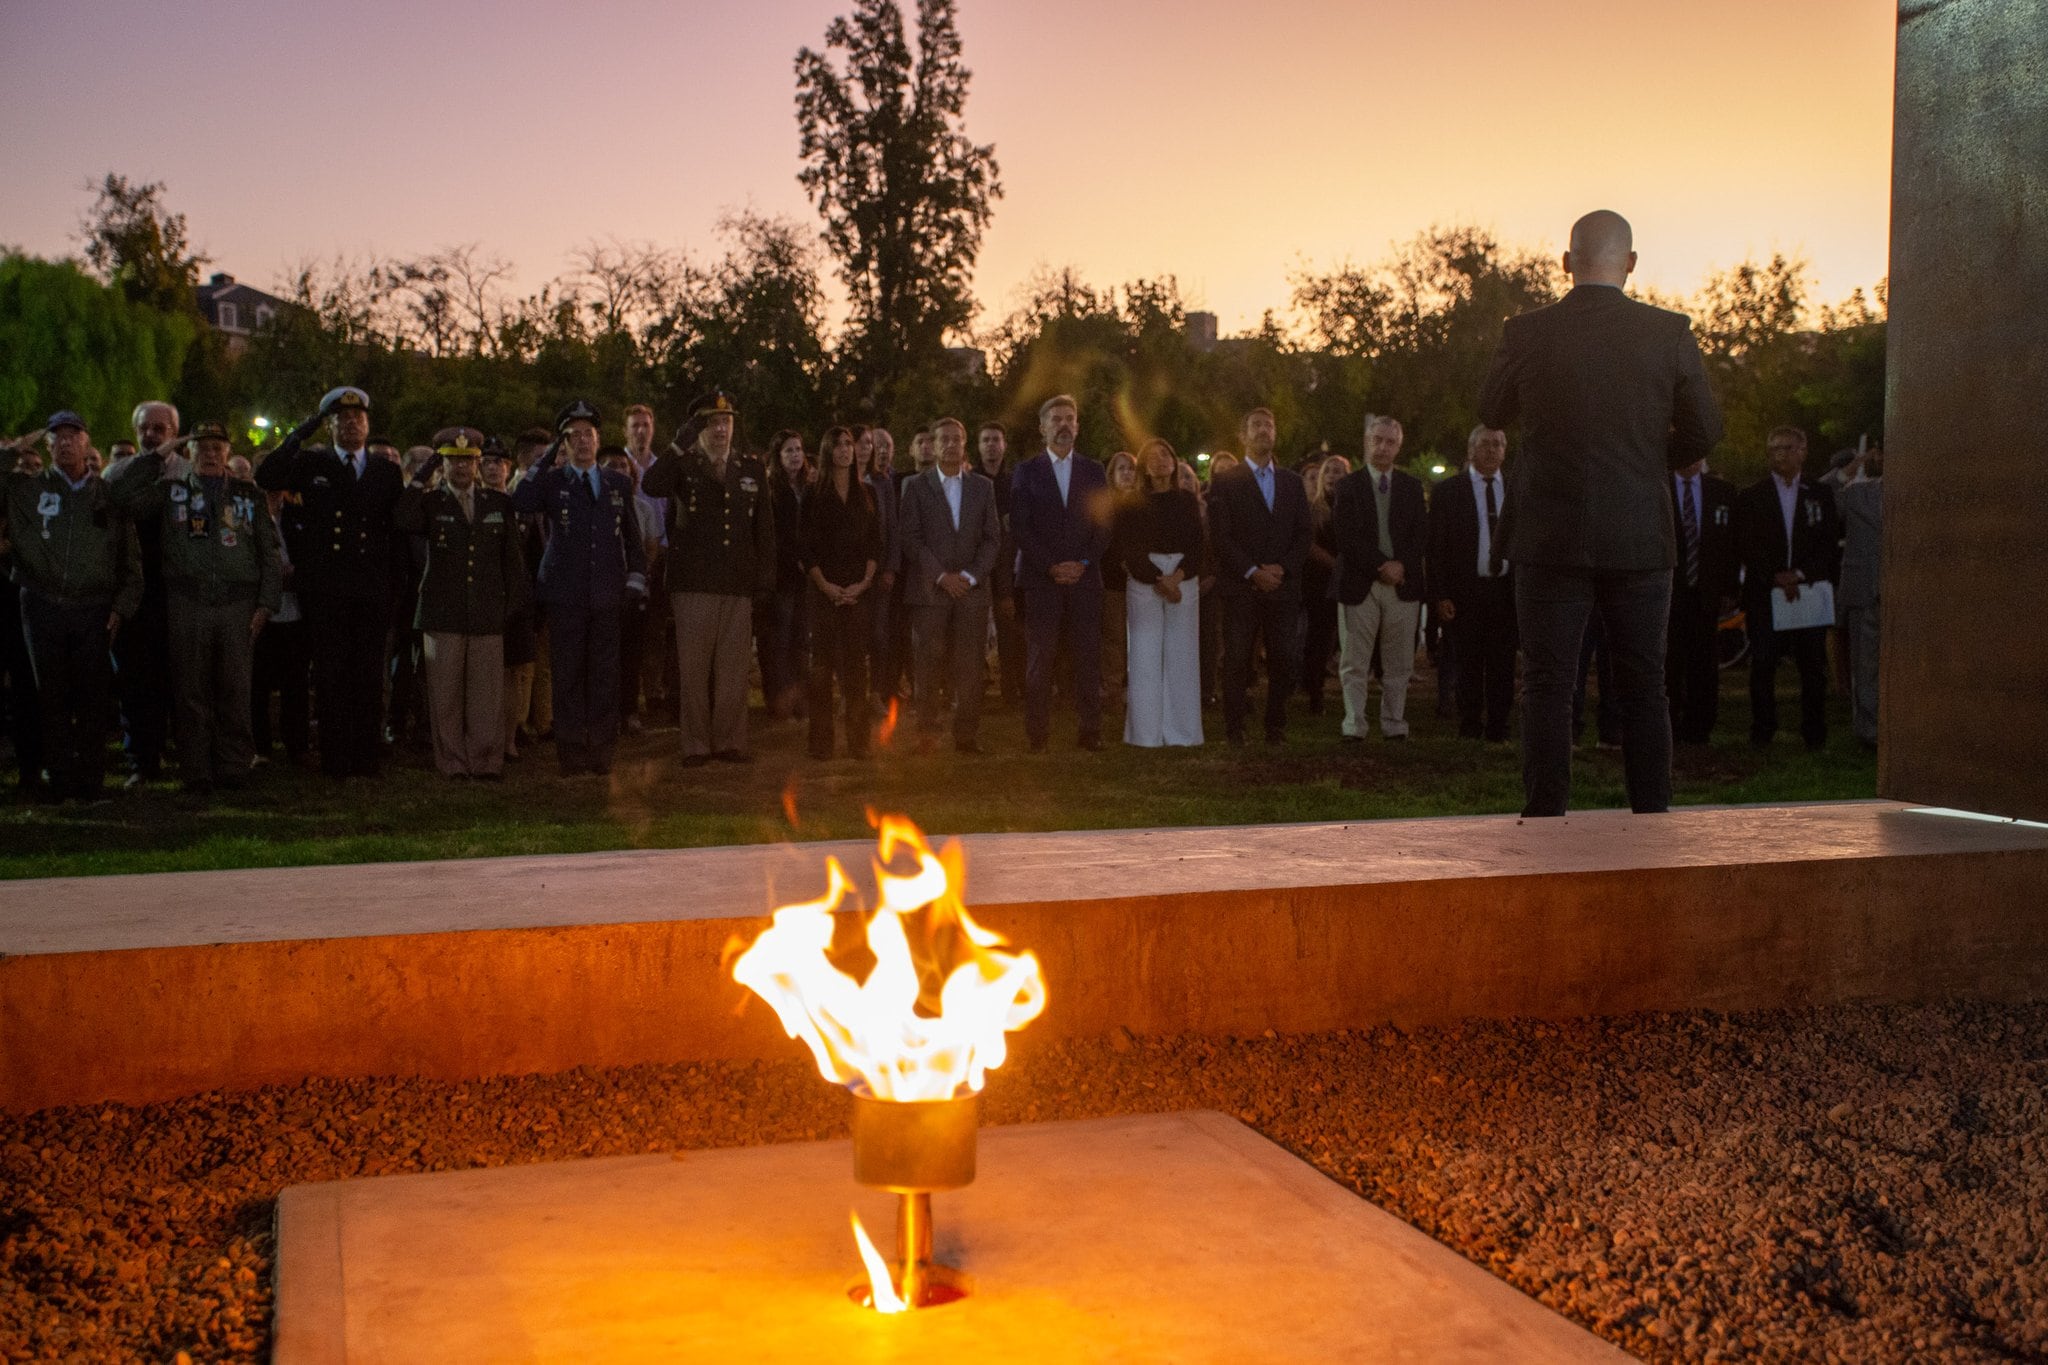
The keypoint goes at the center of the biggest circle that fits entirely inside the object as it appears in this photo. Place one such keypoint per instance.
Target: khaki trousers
(466, 701)
(1382, 623)
(714, 635)
(212, 658)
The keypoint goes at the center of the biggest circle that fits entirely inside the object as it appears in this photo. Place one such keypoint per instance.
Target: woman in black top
(1319, 639)
(839, 542)
(1159, 536)
(780, 632)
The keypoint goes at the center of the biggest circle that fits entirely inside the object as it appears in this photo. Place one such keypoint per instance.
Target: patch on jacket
(49, 505)
(179, 492)
(494, 518)
(748, 485)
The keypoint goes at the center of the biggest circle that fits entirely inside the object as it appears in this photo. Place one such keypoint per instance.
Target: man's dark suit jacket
(1243, 534)
(345, 550)
(1760, 538)
(1355, 527)
(1453, 568)
(931, 546)
(1610, 397)
(1720, 565)
(1050, 532)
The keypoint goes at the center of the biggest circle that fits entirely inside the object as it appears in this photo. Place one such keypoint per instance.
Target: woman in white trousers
(1159, 535)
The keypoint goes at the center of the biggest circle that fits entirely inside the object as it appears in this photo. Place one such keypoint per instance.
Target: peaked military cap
(494, 449)
(459, 443)
(606, 452)
(211, 431)
(582, 410)
(347, 396)
(65, 418)
(713, 403)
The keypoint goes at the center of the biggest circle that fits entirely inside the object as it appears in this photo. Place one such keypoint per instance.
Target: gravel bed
(1852, 1184)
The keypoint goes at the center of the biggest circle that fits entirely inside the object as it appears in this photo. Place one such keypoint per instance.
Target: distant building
(1201, 331)
(969, 362)
(237, 311)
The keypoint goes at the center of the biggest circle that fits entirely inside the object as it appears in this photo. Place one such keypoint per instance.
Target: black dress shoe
(733, 756)
(967, 746)
(1037, 746)
(1092, 743)
(1236, 737)
(695, 760)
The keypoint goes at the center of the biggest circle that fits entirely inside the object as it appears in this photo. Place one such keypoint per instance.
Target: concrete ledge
(141, 988)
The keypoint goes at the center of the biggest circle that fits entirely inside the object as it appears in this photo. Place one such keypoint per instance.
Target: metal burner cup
(914, 1146)
(911, 1148)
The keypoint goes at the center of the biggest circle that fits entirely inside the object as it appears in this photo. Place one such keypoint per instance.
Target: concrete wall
(1965, 685)
(1882, 904)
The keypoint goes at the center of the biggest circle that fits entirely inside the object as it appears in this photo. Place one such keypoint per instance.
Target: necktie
(1386, 483)
(592, 480)
(1689, 514)
(1266, 485)
(1493, 559)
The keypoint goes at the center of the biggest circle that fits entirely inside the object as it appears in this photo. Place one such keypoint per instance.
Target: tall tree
(904, 192)
(140, 247)
(68, 341)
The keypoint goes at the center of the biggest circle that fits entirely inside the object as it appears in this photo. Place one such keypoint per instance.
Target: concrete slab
(1175, 1237)
(141, 988)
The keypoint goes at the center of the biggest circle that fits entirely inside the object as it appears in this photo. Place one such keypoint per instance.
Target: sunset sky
(1223, 143)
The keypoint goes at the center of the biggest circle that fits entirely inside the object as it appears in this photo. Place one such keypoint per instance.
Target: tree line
(903, 197)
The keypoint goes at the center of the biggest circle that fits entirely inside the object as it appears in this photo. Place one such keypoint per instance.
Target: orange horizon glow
(1225, 147)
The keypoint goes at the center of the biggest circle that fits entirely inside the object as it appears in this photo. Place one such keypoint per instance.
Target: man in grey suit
(1610, 396)
(1861, 505)
(948, 534)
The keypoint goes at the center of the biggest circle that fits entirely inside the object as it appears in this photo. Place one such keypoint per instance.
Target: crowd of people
(481, 597)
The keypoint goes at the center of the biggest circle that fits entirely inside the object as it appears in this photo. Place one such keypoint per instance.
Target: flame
(888, 730)
(928, 1021)
(789, 802)
(882, 1294)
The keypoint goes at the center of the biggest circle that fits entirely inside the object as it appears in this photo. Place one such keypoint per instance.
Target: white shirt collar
(1479, 479)
(1058, 458)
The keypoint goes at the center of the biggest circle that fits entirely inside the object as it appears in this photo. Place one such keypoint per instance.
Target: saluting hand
(423, 477)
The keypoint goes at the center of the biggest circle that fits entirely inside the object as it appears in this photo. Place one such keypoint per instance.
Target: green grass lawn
(293, 817)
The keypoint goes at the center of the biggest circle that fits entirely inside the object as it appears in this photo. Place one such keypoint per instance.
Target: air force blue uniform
(594, 558)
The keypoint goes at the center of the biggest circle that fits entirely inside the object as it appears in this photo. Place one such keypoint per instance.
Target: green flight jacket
(476, 570)
(215, 554)
(721, 533)
(73, 546)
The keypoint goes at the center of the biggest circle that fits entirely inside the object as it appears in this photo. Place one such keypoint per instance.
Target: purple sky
(1221, 142)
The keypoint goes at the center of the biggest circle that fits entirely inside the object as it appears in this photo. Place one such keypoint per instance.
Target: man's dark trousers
(1071, 614)
(1552, 607)
(949, 644)
(348, 635)
(1692, 666)
(1481, 638)
(584, 642)
(1809, 650)
(142, 662)
(1249, 616)
(74, 686)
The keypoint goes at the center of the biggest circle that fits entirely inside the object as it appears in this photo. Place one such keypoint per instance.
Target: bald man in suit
(1611, 397)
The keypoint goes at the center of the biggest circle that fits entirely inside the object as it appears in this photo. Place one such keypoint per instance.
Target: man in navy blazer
(1789, 537)
(1611, 397)
(1259, 527)
(594, 558)
(1059, 516)
(1380, 524)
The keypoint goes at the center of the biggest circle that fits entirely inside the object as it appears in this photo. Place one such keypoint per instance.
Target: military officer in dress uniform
(721, 552)
(224, 579)
(475, 578)
(594, 558)
(342, 571)
(80, 570)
